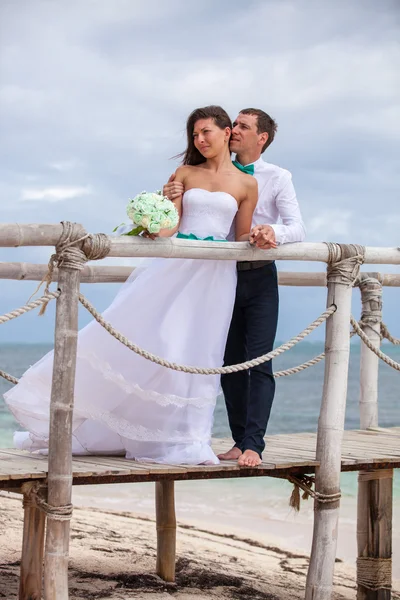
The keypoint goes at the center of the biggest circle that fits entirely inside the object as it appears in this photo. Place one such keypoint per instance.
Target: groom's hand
(263, 236)
(173, 189)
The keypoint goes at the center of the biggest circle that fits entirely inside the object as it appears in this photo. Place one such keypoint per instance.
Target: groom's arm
(292, 228)
(179, 178)
(173, 189)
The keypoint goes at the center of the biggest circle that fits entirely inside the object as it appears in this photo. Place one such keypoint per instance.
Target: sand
(113, 558)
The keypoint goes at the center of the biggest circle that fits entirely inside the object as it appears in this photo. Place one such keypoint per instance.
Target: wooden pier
(312, 462)
(285, 455)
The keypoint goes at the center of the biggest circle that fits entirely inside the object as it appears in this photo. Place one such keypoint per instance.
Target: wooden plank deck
(285, 454)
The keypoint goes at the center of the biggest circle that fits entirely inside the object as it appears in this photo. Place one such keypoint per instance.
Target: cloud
(55, 194)
(65, 165)
(94, 98)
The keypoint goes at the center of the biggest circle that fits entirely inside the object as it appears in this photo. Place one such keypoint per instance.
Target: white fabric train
(179, 309)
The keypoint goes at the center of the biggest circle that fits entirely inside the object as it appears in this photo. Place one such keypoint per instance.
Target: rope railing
(389, 361)
(309, 363)
(18, 312)
(302, 367)
(8, 377)
(385, 334)
(75, 247)
(205, 370)
(43, 301)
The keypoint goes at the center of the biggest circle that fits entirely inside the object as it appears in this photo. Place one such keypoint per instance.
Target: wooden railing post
(60, 460)
(70, 259)
(31, 573)
(375, 488)
(343, 268)
(166, 529)
(371, 319)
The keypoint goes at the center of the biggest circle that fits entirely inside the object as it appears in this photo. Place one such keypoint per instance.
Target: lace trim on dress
(110, 374)
(142, 434)
(121, 426)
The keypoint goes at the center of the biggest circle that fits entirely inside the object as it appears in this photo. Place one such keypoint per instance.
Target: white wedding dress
(179, 309)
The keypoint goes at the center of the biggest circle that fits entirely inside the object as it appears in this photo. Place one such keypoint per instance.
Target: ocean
(262, 502)
(297, 399)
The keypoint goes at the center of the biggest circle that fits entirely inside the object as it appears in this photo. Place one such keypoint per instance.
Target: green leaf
(135, 231)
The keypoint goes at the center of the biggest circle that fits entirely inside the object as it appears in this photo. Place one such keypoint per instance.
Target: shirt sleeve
(292, 227)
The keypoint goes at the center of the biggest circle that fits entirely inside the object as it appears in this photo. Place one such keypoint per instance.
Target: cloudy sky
(94, 95)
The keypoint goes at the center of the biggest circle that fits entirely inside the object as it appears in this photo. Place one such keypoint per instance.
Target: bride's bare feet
(232, 454)
(249, 458)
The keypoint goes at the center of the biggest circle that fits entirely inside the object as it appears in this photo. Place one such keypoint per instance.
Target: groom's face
(244, 134)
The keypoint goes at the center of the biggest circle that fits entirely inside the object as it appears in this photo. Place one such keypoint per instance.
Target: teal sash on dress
(191, 236)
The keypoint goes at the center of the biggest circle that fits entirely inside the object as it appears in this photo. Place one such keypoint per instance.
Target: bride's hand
(150, 236)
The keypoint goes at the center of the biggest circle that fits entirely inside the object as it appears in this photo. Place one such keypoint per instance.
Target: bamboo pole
(177, 248)
(166, 530)
(375, 488)
(60, 462)
(32, 234)
(118, 274)
(371, 319)
(329, 439)
(31, 572)
(374, 534)
(90, 274)
(16, 234)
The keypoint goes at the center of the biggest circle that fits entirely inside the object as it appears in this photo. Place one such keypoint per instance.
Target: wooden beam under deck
(285, 454)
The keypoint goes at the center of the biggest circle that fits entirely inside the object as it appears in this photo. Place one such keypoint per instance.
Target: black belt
(247, 265)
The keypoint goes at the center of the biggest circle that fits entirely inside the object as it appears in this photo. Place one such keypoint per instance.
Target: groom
(276, 220)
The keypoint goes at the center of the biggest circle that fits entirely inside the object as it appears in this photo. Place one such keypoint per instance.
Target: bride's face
(209, 139)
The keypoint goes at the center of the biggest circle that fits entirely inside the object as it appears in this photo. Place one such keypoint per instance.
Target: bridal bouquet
(149, 211)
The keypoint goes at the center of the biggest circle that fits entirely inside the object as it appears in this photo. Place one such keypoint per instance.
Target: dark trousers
(249, 394)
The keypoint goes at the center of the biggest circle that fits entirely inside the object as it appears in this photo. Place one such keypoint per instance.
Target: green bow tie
(249, 169)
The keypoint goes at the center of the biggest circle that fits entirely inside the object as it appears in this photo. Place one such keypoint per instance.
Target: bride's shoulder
(249, 182)
(249, 187)
(183, 172)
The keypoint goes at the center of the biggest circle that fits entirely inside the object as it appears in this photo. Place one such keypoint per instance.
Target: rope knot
(344, 261)
(305, 483)
(371, 298)
(33, 495)
(374, 573)
(74, 248)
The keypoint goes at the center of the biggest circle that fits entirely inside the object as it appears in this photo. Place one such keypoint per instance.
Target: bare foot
(249, 458)
(232, 454)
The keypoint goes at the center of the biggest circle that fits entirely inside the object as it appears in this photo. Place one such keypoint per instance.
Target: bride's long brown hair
(191, 156)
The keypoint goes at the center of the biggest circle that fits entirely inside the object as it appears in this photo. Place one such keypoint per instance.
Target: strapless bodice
(207, 213)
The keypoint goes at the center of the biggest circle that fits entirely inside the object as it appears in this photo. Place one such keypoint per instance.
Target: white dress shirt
(277, 203)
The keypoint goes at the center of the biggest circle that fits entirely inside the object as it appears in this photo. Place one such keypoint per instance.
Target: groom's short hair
(265, 124)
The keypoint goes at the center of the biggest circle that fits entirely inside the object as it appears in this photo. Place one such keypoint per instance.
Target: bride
(179, 309)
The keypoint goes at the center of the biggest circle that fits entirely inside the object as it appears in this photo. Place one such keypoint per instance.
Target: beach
(113, 553)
